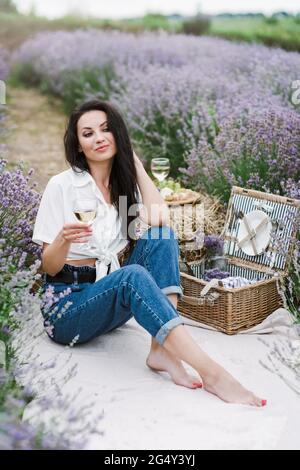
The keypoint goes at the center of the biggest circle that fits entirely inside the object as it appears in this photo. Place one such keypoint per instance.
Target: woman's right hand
(76, 232)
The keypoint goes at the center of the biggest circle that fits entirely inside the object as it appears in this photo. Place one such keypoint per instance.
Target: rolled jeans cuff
(167, 328)
(173, 290)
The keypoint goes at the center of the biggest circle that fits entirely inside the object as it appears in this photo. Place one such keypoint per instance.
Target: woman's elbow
(47, 268)
(158, 216)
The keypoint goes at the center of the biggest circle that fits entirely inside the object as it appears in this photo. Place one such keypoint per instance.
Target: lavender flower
(18, 208)
(284, 360)
(213, 245)
(215, 273)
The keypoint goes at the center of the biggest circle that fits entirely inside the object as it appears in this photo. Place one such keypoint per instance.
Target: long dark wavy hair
(123, 177)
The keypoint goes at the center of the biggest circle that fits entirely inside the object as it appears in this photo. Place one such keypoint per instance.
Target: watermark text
(296, 94)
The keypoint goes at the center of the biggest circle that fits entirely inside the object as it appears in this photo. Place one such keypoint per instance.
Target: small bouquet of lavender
(213, 245)
(215, 263)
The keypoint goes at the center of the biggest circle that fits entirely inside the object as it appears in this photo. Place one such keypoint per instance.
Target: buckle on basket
(212, 297)
(209, 299)
(209, 285)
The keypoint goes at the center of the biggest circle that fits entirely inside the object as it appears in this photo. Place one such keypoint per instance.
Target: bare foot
(230, 390)
(162, 360)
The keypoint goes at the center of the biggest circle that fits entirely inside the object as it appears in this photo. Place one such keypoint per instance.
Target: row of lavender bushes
(222, 112)
(13, 399)
(58, 422)
(17, 211)
(21, 372)
(16, 275)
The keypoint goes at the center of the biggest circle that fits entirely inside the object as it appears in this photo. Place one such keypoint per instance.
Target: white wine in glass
(85, 216)
(160, 168)
(85, 210)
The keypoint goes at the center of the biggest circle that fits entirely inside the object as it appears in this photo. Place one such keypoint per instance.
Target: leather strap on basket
(211, 298)
(209, 285)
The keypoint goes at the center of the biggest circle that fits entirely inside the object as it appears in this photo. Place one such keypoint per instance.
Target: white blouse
(56, 209)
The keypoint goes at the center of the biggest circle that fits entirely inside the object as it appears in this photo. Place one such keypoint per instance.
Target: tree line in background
(279, 30)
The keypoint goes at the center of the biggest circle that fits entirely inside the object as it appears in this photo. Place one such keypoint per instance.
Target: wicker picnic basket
(231, 310)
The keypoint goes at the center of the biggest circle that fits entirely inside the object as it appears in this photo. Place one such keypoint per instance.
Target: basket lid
(260, 229)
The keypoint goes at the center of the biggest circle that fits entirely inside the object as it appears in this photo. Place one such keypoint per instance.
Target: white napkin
(236, 281)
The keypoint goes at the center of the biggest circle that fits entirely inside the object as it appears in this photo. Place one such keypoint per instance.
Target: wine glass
(85, 210)
(160, 168)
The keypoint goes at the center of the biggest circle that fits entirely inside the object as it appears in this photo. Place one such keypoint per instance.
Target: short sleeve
(50, 217)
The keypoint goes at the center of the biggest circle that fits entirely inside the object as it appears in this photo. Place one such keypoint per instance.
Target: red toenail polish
(264, 402)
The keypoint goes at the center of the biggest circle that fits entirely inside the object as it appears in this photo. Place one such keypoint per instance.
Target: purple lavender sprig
(18, 208)
(214, 245)
(215, 273)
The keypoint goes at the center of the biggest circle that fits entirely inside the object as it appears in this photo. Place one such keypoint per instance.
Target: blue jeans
(137, 289)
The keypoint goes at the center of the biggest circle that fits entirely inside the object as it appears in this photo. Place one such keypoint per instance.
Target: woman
(112, 276)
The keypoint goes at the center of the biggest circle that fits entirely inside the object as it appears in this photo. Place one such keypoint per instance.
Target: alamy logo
(296, 94)
(2, 92)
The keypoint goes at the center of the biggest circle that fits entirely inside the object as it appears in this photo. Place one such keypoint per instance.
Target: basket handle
(192, 300)
(195, 301)
(205, 297)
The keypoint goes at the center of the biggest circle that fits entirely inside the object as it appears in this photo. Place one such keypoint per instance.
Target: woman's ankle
(155, 346)
(212, 374)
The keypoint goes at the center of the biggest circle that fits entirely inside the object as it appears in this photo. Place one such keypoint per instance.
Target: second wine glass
(160, 168)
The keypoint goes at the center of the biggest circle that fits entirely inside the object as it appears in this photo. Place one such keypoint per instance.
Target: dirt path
(36, 127)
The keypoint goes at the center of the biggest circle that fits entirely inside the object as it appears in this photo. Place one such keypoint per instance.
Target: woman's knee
(135, 271)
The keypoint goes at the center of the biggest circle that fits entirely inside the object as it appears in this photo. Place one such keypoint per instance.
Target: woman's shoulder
(62, 179)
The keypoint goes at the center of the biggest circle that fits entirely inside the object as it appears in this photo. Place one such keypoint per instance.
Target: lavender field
(222, 112)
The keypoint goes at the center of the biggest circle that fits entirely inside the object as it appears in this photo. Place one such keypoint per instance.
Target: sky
(132, 8)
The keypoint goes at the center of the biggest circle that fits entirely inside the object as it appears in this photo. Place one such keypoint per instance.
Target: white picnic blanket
(143, 409)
